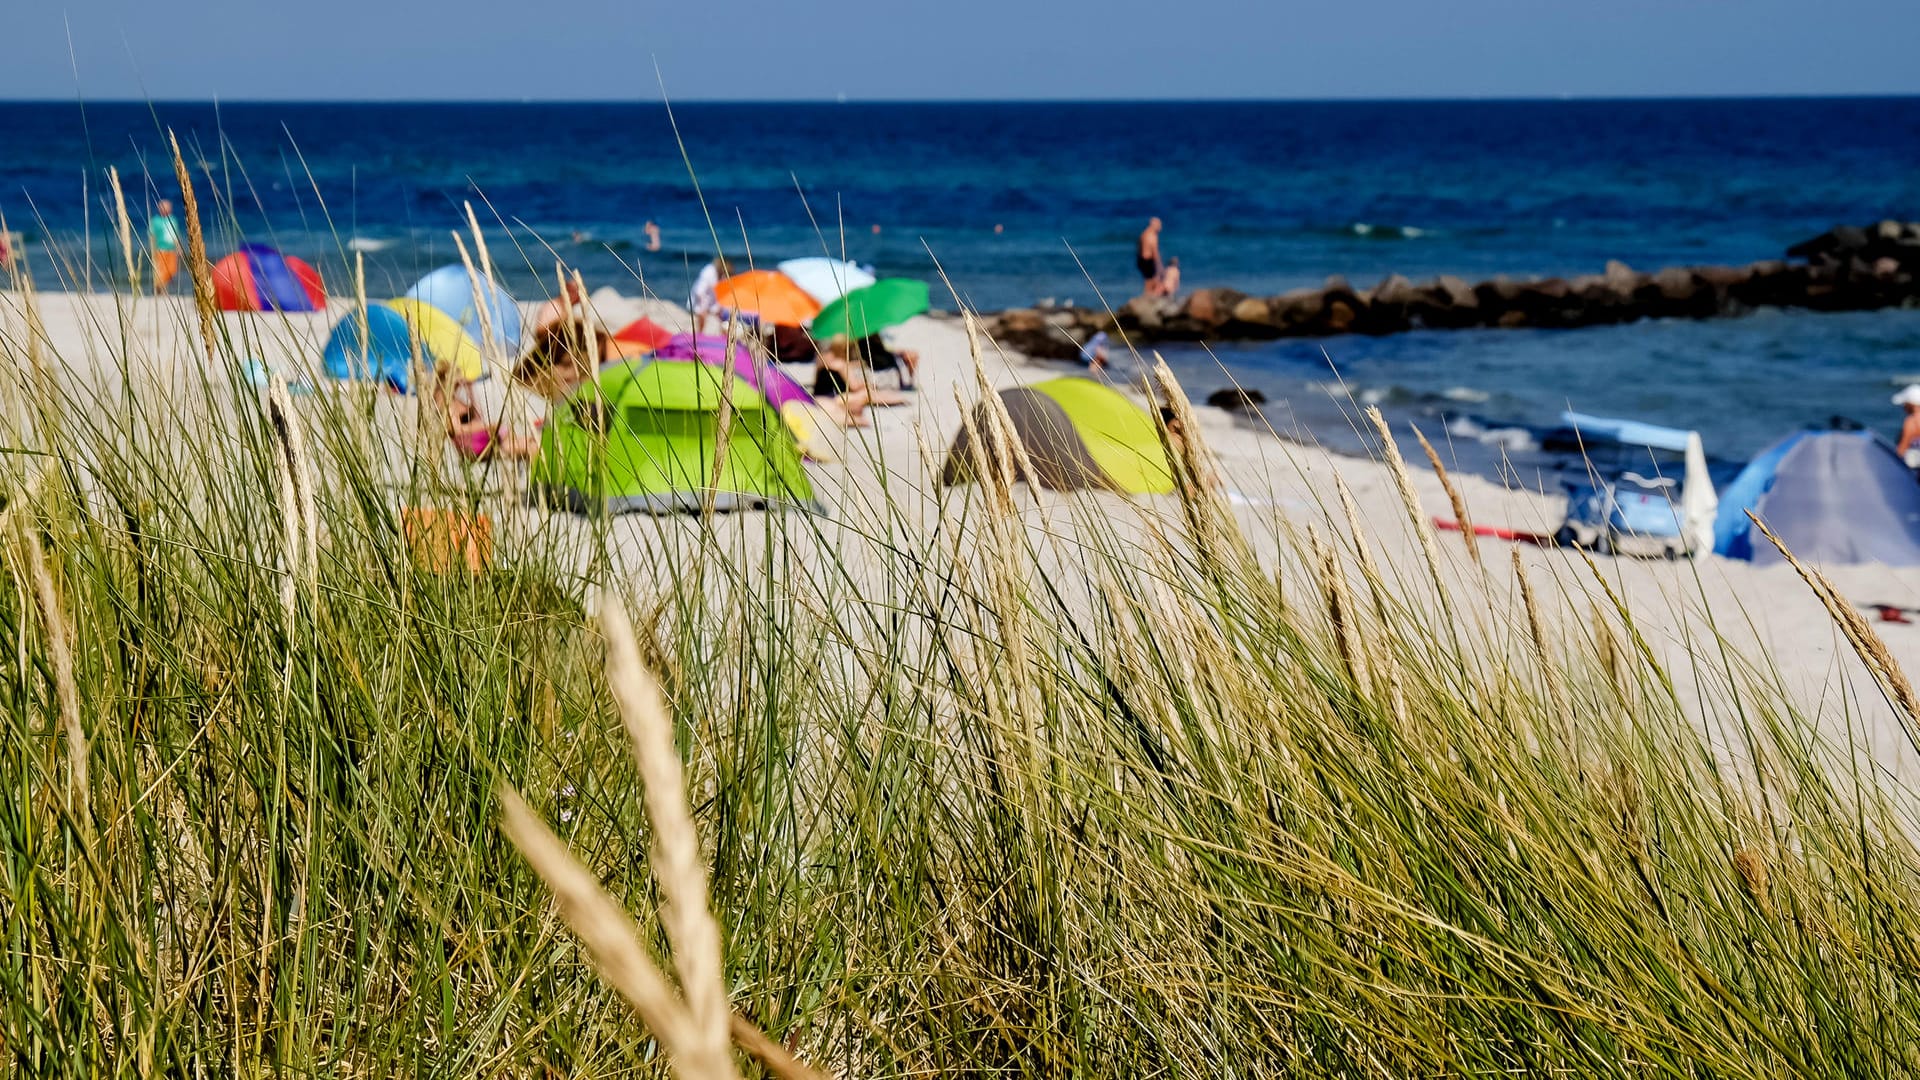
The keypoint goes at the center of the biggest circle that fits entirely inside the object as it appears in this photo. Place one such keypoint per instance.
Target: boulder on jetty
(1846, 268)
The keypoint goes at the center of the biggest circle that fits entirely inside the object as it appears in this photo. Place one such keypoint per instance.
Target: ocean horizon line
(1492, 99)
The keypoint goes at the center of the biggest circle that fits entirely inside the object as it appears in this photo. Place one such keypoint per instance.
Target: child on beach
(1169, 281)
(164, 232)
(467, 426)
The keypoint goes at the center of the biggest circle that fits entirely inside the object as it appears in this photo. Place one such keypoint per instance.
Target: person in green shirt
(164, 232)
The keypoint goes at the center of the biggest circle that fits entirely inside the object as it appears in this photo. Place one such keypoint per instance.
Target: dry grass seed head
(1867, 644)
(54, 624)
(1454, 497)
(1752, 868)
(1410, 501)
(197, 267)
(678, 863)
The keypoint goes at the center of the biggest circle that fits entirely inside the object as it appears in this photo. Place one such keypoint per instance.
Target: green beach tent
(1078, 433)
(644, 439)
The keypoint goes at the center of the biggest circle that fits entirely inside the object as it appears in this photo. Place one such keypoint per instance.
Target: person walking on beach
(1146, 256)
(164, 233)
(703, 303)
(1909, 445)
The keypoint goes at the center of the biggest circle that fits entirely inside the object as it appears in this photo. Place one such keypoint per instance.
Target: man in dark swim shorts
(1146, 255)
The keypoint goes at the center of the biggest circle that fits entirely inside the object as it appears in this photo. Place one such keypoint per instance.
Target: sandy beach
(1689, 611)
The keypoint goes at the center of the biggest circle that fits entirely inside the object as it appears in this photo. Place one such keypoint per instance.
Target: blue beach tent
(1833, 497)
(386, 353)
(451, 290)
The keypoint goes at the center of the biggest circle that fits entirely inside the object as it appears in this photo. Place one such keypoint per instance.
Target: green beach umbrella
(865, 312)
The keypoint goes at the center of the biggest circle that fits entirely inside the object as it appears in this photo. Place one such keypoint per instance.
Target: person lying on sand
(467, 425)
(873, 349)
(836, 372)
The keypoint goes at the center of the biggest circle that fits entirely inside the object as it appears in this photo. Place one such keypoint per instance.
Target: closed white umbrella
(824, 279)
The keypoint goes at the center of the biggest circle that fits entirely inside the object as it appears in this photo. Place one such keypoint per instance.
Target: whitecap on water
(361, 243)
(1465, 393)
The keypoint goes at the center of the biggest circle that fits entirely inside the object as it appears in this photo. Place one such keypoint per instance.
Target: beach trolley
(1645, 492)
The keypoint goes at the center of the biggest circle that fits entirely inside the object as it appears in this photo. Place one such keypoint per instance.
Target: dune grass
(1029, 786)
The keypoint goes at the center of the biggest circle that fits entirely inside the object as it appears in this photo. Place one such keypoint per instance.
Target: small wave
(1514, 440)
(1371, 231)
(1467, 394)
(1510, 438)
(361, 243)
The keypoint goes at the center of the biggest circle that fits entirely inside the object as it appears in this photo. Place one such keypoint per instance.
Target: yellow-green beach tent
(645, 437)
(1078, 433)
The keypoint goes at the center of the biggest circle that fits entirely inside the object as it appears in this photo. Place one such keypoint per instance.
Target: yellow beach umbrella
(441, 337)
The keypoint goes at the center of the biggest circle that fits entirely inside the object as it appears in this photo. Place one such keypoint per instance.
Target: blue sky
(939, 49)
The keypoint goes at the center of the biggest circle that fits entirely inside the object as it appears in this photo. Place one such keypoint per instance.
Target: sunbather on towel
(836, 372)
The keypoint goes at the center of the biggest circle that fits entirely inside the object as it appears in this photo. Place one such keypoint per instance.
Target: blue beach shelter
(386, 353)
(451, 290)
(1833, 497)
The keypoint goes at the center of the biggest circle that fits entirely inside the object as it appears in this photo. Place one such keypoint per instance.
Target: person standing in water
(1146, 256)
(164, 233)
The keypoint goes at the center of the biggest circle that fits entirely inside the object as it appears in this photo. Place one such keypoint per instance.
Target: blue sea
(1014, 203)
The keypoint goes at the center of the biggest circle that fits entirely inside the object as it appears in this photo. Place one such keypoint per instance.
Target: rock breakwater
(1844, 269)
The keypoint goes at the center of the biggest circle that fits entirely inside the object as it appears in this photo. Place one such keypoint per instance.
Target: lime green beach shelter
(644, 438)
(1078, 433)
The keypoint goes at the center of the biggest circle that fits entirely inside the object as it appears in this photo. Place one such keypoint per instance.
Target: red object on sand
(1497, 533)
(644, 332)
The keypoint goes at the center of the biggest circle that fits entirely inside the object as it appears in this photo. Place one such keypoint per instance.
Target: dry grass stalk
(1613, 657)
(1010, 451)
(1867, 644)
(722, 431)
(1410, 499)
(1340, 611)
(489, 347)
(1453, 496)
(480, 244)
(53, 620)
(988, 466)
(1216, 536)
(1542, 644)
(124, 228)
(197, 266)
(300, 518)
(361, 315)
(1382, 606)
(1195, 461)
(771, 1054)
(613, 941)
(677, 863)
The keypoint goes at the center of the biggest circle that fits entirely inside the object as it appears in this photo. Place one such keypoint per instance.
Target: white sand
(1767, 615)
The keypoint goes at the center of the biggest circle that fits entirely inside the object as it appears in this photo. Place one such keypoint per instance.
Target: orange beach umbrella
(768, 295)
